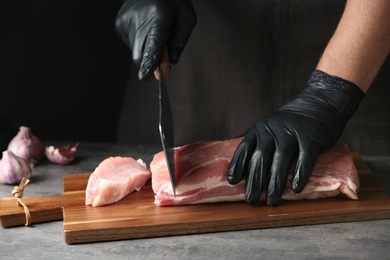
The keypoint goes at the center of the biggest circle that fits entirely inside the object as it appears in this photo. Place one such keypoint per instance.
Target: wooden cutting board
(136, 216)
(42, 209)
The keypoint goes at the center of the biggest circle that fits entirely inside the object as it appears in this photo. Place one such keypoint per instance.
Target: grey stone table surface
(353, 240)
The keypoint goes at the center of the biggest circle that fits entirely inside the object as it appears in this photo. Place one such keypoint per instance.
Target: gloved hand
(147, 26)
(294, 135)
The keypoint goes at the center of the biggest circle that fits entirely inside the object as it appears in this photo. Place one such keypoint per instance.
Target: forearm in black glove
(294, 135)
(147, 26)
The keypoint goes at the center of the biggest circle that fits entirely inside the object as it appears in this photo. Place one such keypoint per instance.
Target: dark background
(65, 73)
(63, 69)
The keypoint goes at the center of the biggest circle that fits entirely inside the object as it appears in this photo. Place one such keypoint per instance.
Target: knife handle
(164, 64)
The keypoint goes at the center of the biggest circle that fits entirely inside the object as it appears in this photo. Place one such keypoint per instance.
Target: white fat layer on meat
(201, 165)
(190, 155)
(210, 183)
(313, 190)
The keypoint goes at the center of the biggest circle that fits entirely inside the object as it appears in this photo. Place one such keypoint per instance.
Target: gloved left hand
(147, 26)
(297, 132)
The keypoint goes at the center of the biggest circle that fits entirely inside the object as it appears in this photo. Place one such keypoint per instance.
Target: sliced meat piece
(113, 179)
(201, 170)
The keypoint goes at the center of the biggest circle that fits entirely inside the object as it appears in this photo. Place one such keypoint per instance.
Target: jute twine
(17, 192)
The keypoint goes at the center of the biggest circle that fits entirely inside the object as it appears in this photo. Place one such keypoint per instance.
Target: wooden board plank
(42, 209)
(136, 216)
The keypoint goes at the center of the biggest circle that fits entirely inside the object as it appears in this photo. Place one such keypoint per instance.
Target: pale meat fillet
(113, 179)
(201, 170)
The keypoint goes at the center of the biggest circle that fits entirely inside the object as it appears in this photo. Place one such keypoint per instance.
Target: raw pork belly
(113, 179)
(201, 170)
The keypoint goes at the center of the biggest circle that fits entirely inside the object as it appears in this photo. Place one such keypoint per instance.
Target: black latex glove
(147, 26)
(294, 135)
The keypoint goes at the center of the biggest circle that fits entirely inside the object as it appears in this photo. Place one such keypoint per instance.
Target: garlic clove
(13, 168)
(61, 154)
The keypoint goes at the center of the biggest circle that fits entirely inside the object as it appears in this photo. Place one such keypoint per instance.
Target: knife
(166, 128)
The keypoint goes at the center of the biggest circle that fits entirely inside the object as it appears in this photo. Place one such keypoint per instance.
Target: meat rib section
(113, 179)
(201, 170)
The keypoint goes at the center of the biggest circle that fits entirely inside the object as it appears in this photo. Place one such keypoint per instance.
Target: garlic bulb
(61, 154)
(22, 145)
(27, 146)
(13, 168)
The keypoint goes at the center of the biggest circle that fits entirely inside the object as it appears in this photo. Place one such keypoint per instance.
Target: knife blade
(166, 129)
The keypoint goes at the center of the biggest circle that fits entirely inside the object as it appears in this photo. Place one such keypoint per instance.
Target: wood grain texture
(42, 209)
(136, 216)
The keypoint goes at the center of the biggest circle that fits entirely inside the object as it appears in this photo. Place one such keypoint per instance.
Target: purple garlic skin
(22, 145)
(13, 168)
(39, 149)
(61, 154)
(27, 146)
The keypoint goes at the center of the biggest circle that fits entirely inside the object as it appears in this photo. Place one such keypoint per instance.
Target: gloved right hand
(147, 26)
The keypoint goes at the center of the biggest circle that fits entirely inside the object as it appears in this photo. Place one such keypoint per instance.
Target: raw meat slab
(136, 216)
